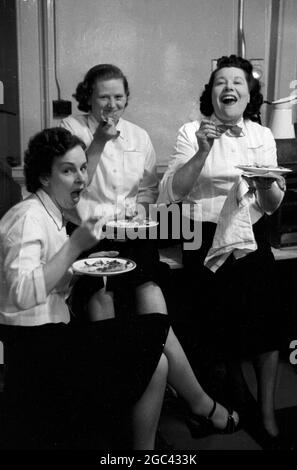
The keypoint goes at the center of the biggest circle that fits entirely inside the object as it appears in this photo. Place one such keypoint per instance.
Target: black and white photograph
(148, 229)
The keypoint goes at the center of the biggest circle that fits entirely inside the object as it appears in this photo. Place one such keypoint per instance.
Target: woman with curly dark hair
(252, 110)
(62, 379)
(234, 267)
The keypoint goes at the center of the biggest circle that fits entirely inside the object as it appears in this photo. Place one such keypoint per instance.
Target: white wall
(164, 47)
(286, 70)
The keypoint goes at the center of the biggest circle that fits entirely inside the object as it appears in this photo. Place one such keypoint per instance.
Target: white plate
(103, 266)
(263, 170)
(132, 224)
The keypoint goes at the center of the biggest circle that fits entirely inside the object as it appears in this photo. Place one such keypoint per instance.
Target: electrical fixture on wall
(281, 120)
(61, 108)
(258, 64)
(281, 124)
(258, 68)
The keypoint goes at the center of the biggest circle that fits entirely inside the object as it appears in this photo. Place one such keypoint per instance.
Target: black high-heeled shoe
(200, 426)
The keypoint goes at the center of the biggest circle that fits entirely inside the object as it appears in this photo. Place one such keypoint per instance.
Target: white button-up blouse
(256, 145)
(126, 172)
(31, 233)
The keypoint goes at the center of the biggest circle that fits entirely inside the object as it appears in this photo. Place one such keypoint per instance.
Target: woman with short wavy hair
(233, 271)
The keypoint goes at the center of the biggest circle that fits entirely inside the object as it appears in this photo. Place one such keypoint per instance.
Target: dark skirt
(238, 305)
(62, 382)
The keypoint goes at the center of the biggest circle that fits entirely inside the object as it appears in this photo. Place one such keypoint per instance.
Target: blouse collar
(51, 208)
(239, 123)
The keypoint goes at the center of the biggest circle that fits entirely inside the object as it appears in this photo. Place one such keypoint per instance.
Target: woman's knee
(101, 306)
(161, 370)
(150, 298)
(171, 341)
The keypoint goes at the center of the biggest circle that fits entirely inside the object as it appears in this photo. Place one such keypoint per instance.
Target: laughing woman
(203, 170)
(58, 374)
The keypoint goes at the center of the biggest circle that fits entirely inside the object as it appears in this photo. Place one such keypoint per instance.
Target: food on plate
(257, 165)
(132, 223)
(106, 265)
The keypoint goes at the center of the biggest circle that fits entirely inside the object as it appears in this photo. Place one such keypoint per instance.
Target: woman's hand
(263, 183)
(88, 233)
(106, 130)
(206, 134)
(268, 194)
(258, 182)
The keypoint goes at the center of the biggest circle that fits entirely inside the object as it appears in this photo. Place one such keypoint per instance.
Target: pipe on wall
(241, 39)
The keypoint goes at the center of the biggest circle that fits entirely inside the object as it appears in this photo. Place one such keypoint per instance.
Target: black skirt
(63, 382)
(237, 307)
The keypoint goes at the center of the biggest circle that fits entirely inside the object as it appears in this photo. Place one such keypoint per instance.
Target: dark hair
(85, 88)
(252, 111)
(43, 148)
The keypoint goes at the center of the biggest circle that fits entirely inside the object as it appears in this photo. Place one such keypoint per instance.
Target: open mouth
(229, 99)
(75, 195)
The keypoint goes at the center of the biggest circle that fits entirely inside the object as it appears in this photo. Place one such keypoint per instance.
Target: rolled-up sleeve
(22, 264)
(185, 148)
(149, 185)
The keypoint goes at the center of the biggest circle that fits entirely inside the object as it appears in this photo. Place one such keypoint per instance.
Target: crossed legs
(150, 299)
(184, 381)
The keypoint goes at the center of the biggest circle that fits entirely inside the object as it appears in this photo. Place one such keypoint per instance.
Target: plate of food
(103, 266)
(262, 170)
(132, 223)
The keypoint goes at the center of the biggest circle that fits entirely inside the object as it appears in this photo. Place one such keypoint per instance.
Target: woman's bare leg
(146, 412)
(150, 299)
(101, 305)
(184, 381)
(266, 366)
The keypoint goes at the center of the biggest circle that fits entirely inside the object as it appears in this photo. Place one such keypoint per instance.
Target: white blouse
(256, 145)
(126, 172)
(31, 233)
